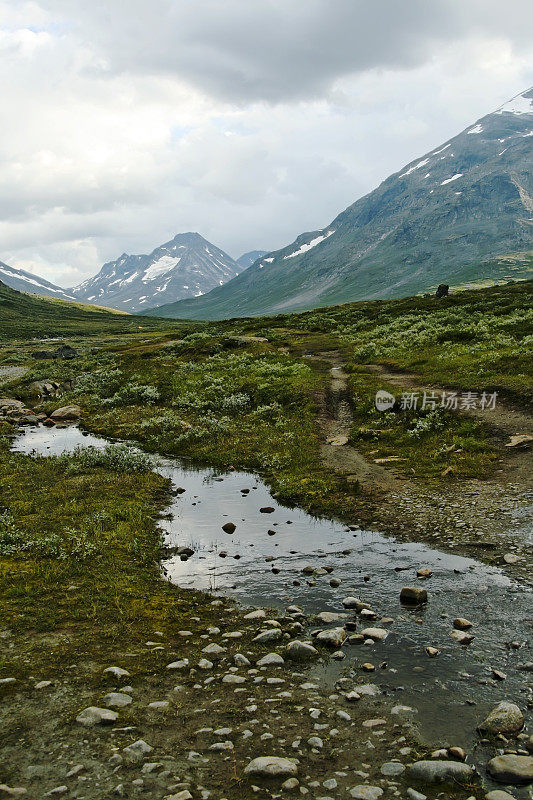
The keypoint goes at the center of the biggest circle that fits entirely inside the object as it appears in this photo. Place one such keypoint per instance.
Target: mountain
(247, 259)
(450, 216)
(27, 282)
(187, 266)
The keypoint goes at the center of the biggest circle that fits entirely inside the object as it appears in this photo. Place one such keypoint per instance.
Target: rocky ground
(230, 712)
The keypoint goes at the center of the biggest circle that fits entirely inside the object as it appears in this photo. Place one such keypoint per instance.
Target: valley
(115, 558)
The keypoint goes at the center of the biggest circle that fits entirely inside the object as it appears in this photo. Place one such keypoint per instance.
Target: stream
(449, 694)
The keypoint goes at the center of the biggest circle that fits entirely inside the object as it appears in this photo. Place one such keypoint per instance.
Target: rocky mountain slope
(31, 284)
(187, 266)
(462, 213)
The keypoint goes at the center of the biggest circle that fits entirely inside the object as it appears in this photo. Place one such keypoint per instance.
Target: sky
(125, 122)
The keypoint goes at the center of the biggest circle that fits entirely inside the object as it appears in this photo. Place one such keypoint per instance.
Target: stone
(316, 742)
(377, 634)
(498, 794)
(300, 651)
(271, 659)
(117, 672)
(327, 617)
(272, 767)
(432, 652)
(350, 602)
(391, 769)
(159, 705)
(205, 664)
(137, 750)
(183, 663)
(259, 613)
(364, 792)
(335, 583)
(213, 649)
(511, 558)
(117, 700)
(368, 667)
(498, 674)
(241, 660)
(511, 768)
(184, 795)
(66, 413)
(267, 510)
(290, 783)
(461, 637)
(412, 794)
(413, 595)
(229, 677)
(12, 791)
(271, 635)
(504, 718)
(457, 753)
(96, 716)
(424, 572)
(462, 624)
(229, 527)
(440, 771)
(334, 637)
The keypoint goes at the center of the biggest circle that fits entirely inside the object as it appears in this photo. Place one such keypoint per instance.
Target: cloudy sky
(125, 122)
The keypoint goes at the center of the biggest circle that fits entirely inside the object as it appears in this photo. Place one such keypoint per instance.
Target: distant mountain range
(31, 284)
(461, 214)
(247, 259)
(187, 266)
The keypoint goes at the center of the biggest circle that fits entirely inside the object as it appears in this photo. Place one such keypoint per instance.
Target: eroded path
(491, 519)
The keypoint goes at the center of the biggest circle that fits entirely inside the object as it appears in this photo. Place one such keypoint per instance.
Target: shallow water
(451, 692)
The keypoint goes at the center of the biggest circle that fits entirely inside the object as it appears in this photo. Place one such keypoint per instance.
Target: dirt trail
(486, 519)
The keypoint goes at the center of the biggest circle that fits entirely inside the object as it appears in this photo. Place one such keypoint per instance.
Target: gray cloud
(247, 120)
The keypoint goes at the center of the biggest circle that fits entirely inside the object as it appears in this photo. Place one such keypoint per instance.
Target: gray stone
(271, 767)
(117, 700)
(271, 659)
(412, 794)
(440, 771)
(327, 617)
(378, 634)
(271, 635)
(504, 718)
(137, 750)
(498, 794)
(510, 768)
(364, 792)
(117, 672)
(351, 602)
(334, 637)
(392, 768)
(300, 651)
(96, 716)
(182, 663)
(66, 413)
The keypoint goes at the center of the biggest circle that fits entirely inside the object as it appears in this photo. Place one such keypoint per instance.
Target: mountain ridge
(466, 202)
(27, 282)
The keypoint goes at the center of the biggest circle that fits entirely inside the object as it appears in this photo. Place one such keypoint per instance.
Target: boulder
(442, 290)
(511, 768)
(504, 718)
(66, 413)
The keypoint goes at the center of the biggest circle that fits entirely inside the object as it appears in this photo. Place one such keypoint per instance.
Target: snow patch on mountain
(313, 243)
(518, 105)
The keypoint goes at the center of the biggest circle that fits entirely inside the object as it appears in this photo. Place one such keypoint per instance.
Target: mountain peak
(186, 266)
(520, 104)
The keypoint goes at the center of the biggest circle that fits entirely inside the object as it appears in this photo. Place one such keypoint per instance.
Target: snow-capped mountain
(187, 266)
(24, 281)
(461, 214)
(247, 259)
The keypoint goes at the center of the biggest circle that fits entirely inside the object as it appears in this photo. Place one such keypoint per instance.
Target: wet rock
(440, 771)
(364, 792)
(350, 602)
(229, 527)
(424, 572)
(334, 637)
(301, 651)
(462, 637)
(377, 634)
(267, 510)
(462, 624)
(96, 716)
(457, 753)
(504, 718)
(413, 595)
(271, 767)
(327, 617)
(335, 582)
(511, 768)
(368, 667)
(498, 674)
(432, 652)
(308, 570)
